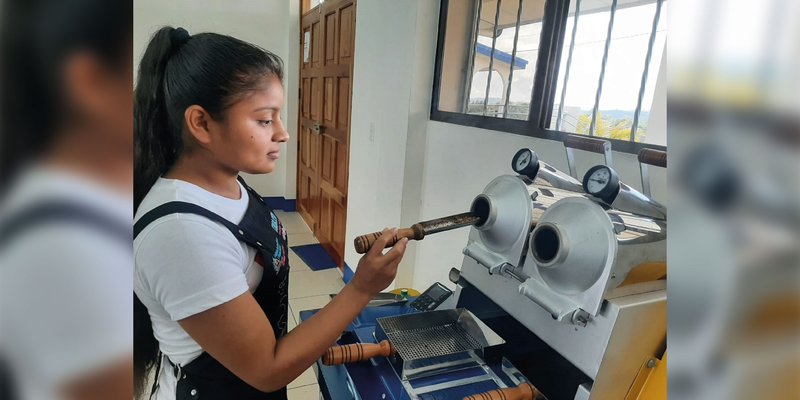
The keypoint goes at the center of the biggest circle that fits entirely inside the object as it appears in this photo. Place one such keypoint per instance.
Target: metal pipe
(471, 57)
(569, 65)
(491, 56)
(513, 59)
(603, 68)
(645, 72)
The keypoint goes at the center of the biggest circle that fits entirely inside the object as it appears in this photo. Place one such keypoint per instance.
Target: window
(550, 68)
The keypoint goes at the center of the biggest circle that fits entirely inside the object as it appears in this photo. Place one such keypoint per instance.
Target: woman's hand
(377, 270)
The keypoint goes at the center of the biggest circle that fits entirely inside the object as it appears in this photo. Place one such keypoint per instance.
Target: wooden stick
(418, 231)
(525, 391)
(337, 355)
(364, 242)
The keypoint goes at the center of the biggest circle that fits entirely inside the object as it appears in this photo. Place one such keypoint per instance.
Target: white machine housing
(554, 260)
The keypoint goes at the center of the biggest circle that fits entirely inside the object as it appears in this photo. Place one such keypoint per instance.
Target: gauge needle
(597, 180)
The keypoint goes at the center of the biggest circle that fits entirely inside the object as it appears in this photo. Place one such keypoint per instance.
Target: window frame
(545, 82)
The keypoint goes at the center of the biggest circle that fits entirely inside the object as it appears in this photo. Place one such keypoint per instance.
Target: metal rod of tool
(525, 391)
(338, 355)
(419, 230)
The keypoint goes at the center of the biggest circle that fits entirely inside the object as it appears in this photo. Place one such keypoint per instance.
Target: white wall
(271, 24)
(420, 83)
(379, 116)
(416, 169)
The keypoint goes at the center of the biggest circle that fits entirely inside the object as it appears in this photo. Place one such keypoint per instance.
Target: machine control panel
(431, 298)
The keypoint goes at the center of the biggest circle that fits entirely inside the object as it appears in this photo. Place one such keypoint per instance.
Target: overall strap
(252, 192)
(182, 207)
(51, 211)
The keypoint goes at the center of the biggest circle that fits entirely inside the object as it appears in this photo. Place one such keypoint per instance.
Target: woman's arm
(113, 381)
(238, 334)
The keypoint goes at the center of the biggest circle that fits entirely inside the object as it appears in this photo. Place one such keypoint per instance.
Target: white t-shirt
(65, 303)
(186, 264)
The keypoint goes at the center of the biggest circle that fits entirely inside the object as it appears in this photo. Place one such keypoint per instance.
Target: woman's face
(249, 137)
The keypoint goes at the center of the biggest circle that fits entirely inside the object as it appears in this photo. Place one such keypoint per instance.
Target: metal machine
(581, 272)
(571, 275)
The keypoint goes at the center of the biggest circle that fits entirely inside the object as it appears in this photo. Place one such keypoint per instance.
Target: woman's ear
(197, 122)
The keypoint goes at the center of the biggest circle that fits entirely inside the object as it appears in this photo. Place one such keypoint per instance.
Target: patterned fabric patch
(275, 223)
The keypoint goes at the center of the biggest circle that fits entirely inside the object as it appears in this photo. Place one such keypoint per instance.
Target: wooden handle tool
(586, 143)
(657, 158)
(525, 391)
(418, 231)
(350, 353)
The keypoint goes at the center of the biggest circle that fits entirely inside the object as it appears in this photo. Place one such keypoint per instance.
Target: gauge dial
(525, 162)
(602, 182)
(598, 180)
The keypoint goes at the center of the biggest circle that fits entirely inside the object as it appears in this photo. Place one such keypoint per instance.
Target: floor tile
(315, 283)
(310, 392)
(297, 264)
(293, 222)
(307, 303)
(291, 320)
(299, 239)
(308, 377)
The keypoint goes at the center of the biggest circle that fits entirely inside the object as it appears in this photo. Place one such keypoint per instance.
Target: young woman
(211, 271)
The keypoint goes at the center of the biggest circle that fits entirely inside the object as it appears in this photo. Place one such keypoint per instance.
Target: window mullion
(491, 56)
(513, 59)
(568, 66)
(645, 72)
(471, 57)
(603, 68)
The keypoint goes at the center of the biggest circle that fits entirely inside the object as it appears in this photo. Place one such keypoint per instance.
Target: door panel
(325, 96)
(330, 38)
(346, 31)
(340, 178)
(329, 100)
(343, 103)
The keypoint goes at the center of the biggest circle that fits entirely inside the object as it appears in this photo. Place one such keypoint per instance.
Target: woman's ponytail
(155, 150)
(156, 144)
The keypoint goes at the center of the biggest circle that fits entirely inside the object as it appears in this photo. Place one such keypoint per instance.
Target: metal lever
(585, 143)
(650, 157)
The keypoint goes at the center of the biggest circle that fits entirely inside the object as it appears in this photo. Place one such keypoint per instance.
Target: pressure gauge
(602, 182)
(525, 162)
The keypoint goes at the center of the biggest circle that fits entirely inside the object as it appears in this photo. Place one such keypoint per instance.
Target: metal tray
(432, 342)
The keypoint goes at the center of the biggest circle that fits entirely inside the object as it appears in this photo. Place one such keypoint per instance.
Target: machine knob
(454, 275)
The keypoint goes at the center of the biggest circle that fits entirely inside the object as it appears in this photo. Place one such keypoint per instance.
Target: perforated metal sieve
(434, 340)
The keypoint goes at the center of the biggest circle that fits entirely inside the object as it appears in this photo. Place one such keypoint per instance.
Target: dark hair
(36, 38)
(177, 71)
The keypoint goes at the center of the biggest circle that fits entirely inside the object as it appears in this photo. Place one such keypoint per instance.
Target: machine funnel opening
(481, 207)
(546, 243)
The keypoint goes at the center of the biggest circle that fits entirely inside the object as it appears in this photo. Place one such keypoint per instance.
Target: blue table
(377, 379)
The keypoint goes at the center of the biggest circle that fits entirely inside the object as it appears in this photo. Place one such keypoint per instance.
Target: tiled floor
(308, 290)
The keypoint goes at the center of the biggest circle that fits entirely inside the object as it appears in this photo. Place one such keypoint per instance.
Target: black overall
(204, 377)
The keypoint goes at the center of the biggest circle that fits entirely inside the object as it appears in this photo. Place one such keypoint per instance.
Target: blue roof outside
(519, 63)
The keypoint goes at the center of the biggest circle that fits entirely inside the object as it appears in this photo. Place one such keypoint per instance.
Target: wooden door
(324, 121)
